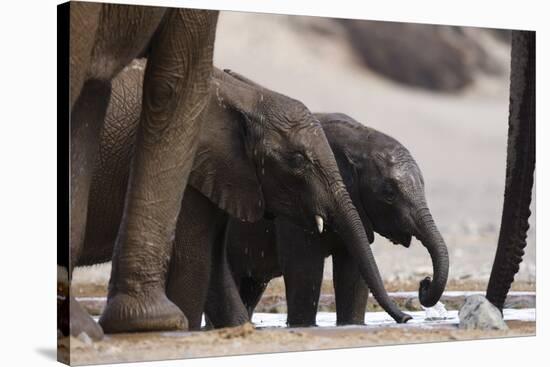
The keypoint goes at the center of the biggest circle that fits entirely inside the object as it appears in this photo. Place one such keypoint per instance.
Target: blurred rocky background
(438, 58)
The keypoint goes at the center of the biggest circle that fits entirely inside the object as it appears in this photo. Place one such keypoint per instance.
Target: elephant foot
(301, 323)
(152, 312)
(350, 322)
(238, 319)
(82, 322)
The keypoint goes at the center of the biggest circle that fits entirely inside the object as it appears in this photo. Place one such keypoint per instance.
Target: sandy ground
(247, 339)
(459, 141)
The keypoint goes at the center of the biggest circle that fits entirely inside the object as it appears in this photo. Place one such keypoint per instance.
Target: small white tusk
(319, 222)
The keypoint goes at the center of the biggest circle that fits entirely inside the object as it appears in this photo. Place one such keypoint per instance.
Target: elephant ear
(349, 172)
(242, 78)
(223, 170)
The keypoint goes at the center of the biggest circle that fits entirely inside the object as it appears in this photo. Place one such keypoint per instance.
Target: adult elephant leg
(175, 91)
(86, 121)
(350, 290)
(84, 20)
(302, 263)
(520, 165)
(199, 223)
(224, 306)
(251, 291)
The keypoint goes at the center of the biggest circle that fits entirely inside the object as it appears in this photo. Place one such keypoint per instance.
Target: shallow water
(379, 319)
(382, 319)
(427, 319)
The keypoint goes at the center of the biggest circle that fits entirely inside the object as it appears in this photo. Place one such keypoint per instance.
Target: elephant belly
(123, 34)
(252, 250)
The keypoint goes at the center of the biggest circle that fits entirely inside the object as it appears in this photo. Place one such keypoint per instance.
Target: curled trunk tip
(430, 290)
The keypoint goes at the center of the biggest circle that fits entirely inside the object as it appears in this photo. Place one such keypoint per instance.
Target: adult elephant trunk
(350, 228)
(520, 165)
(430, 291)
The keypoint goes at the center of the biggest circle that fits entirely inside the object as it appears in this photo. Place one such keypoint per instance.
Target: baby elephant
(386, 187)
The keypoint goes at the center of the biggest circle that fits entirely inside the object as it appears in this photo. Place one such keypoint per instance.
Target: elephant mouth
(400, 239)
(269, 215)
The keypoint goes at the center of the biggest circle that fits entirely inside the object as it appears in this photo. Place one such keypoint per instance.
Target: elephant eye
(297, 160)
(388, 193)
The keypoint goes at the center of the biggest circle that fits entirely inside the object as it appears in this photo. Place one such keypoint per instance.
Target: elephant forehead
(407, 173)
(299, 134)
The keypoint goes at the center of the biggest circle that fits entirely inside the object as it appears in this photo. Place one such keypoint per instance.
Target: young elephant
(387, 188)
(260, 154)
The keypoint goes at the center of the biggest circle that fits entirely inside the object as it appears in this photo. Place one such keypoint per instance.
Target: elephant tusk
(319, 221)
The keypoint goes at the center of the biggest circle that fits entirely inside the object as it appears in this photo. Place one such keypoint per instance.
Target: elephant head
(263, 154)
(383, 177)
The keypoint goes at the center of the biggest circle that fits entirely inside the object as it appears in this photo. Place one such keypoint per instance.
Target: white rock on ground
(478, 313)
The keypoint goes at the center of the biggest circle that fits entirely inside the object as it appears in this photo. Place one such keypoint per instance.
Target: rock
(84, 338)
(93, 305)
(478, 313)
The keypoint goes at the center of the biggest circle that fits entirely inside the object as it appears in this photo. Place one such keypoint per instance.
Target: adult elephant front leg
(302, 263)
(175, 91)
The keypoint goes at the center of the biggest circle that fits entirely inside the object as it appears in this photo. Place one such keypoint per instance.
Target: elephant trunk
(352, 232)
(430, 291)
(520, 165)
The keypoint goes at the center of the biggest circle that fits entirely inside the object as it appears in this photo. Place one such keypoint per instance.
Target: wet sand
(246, 339)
